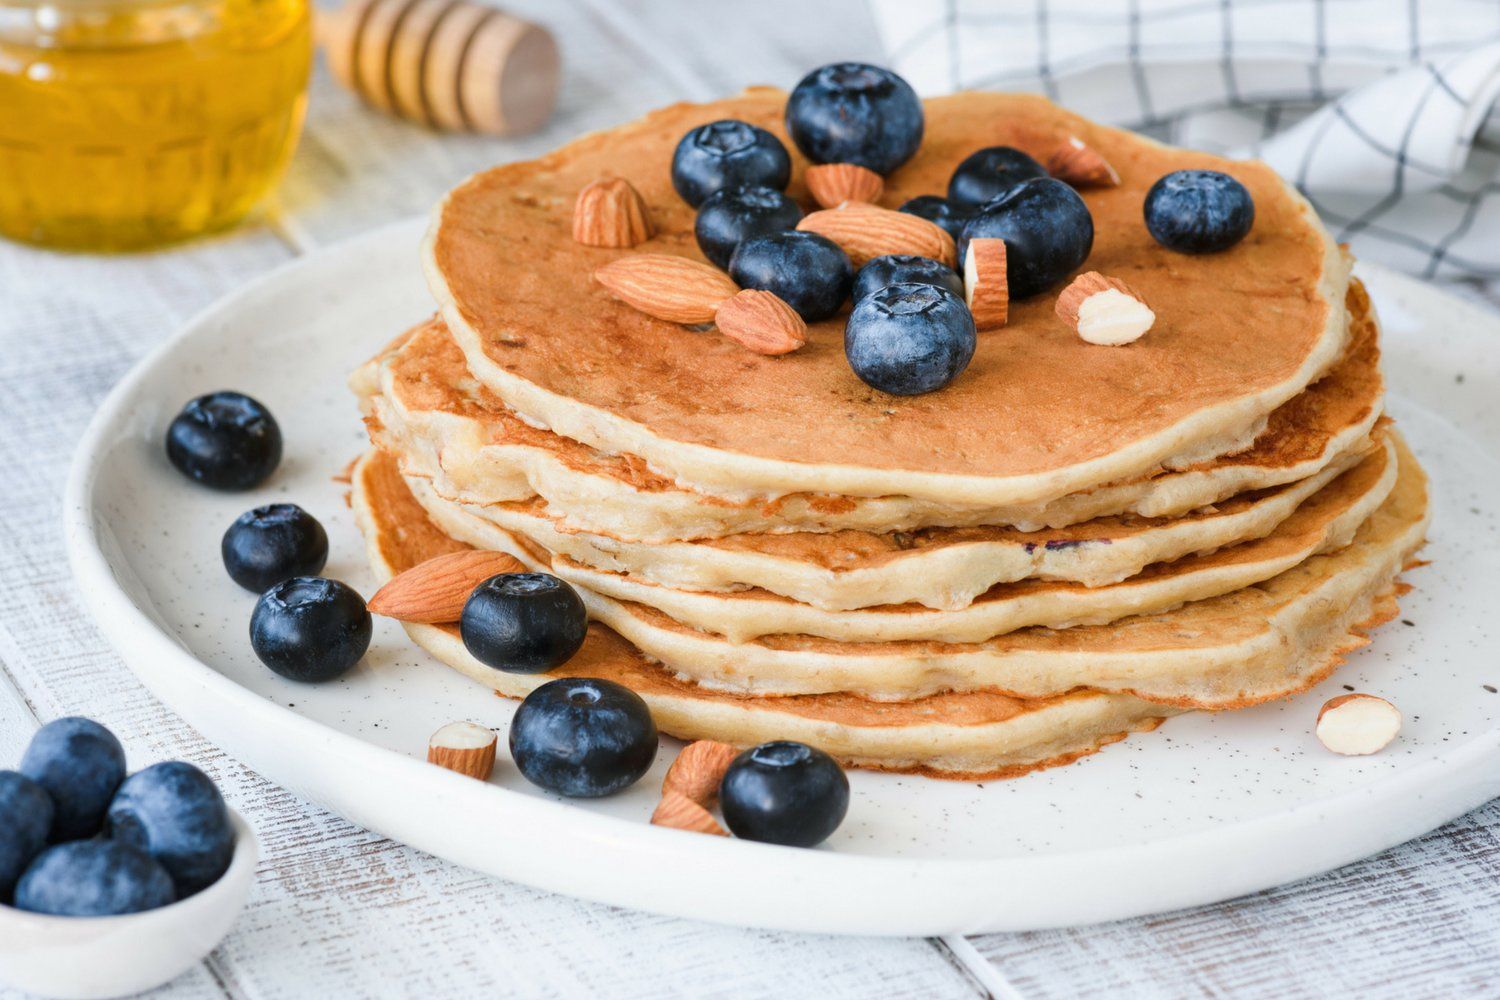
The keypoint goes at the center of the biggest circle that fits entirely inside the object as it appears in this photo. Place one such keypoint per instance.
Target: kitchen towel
(1381, 111)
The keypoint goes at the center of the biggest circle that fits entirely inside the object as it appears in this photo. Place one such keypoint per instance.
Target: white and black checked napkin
(1381, 111)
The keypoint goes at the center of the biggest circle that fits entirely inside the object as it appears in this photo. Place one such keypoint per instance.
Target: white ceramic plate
(1205, 808)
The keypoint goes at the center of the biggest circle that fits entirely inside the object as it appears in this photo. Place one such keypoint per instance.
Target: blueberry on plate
(174, 812)
(93, 878)
(728, 153)
(224, 440)
(855, 113)
(523, 623)
(986, 175)
(731, 215)
(1199, 211)
(811, 273)
(268, 544)
(310, 629)
(79, 764)
(1047, 229)
(899, 268)
(908, 339)
(940, 210)
(583, 737)
(784, 793)
(25, 819)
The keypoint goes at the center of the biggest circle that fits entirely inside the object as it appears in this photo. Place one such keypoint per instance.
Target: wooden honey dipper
(453, 64)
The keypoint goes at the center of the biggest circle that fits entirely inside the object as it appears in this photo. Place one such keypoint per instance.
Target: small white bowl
(90, 958)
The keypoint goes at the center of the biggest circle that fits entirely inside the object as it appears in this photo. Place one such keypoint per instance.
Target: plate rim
(188, 686)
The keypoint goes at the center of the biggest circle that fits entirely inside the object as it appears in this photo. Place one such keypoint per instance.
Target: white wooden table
(341, 912)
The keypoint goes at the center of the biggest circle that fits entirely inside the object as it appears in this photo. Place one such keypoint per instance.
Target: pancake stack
(1069, 543)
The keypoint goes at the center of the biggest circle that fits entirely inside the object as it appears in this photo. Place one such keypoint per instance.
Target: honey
(127, 124)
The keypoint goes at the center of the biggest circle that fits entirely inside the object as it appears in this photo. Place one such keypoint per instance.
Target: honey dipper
(452, 64)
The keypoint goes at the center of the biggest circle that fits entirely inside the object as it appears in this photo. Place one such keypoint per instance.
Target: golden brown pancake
(1037, 415)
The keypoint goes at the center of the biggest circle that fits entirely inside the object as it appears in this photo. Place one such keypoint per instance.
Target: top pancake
(1038, 414)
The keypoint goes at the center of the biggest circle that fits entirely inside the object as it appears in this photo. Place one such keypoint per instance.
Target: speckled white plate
(1205, 808)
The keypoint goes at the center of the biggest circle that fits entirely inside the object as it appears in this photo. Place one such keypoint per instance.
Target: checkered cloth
(1381, 111)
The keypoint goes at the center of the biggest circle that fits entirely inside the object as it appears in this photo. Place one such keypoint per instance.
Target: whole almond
(698, 769)
(434, 591)
(681, 813)
(611, 213)
(832, 184)
(1081, 166)
(1104, 310)
(869, 231)
(986, 285)
(675, 289)
(762, 322)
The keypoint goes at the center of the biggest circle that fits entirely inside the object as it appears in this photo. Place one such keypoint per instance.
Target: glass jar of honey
(127, 124)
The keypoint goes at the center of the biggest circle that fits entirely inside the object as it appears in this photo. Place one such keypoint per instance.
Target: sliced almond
(434, 591)
(832, 184)
(611, 213)
(762, 322)
(681, 813)
(1357, 724)
(698, 770)
(675, 289)
(869, 231)
(1081, 166)
(465, 747)
(986, 286)
(1104, 310)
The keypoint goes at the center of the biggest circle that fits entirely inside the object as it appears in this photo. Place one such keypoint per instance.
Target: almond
(1104, 310)
(465, 747)
(435, 591)
(675, 289)
(1081, 166)
(986, 286)
(762, 322)
(611, 213)
(1357, 724)
(681, 813)
(869, 231)
(697, 771)
(832, 184)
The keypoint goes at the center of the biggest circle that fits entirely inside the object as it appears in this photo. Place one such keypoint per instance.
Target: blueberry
(268, 544)
(898, 268)
(939, 210)
(93, 878)
(908, 339)
(224, 440)
(310, 629)
(583, 737)
(1047, 229)
(1198, 211)
(728, 153)
(25, 819)
(523, 623)
(731, 215)
(855, 113)
(986, 175)
(811, 273)
(784, 793)
(79, 764)
(174, 812)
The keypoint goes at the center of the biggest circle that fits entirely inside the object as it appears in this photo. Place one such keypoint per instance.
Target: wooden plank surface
(338, 911)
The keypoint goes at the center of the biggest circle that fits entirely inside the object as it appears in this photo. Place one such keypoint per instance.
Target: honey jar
(127, 124)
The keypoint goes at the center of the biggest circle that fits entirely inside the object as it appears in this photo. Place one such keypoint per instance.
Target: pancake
(1248, 646)
(1037, 415)
(961, 736)
(1325, 521)
(421, 403)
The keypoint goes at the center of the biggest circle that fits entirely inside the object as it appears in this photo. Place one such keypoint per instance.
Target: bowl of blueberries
(112, 882)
